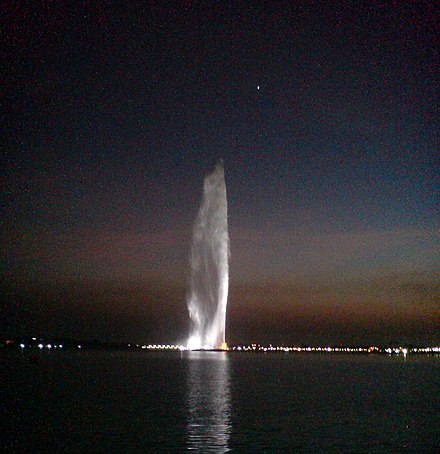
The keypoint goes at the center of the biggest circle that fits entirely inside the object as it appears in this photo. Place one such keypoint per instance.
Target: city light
(251, 348)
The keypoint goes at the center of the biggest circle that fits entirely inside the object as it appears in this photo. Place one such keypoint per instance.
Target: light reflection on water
(209, 402)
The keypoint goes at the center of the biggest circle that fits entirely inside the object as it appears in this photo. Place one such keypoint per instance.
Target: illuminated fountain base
(222, 348)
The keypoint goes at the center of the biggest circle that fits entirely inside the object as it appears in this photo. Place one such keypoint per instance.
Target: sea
(216, 402)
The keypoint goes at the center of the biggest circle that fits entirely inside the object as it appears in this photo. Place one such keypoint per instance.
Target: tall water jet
(209, 278)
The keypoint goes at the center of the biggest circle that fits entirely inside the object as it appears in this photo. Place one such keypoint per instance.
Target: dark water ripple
(218, 402)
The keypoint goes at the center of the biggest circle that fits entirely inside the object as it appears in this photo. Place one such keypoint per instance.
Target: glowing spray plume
(209, 278)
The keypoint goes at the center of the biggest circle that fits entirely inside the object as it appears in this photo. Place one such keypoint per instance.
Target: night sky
(325, 114)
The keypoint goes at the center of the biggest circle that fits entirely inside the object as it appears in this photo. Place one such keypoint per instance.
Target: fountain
(209, 276)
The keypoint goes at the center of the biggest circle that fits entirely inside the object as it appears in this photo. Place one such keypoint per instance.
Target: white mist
(209, 278)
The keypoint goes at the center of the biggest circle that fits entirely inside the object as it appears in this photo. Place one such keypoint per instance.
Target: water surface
(219, 402)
